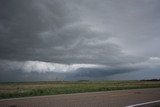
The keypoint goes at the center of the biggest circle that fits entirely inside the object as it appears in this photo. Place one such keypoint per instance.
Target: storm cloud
(78, 39)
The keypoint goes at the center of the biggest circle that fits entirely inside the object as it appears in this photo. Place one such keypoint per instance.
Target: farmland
(26, 89)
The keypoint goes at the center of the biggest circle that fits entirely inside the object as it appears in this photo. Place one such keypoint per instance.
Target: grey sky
(79, 39)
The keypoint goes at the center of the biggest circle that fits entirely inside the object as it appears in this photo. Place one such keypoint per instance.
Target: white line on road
(151, 102)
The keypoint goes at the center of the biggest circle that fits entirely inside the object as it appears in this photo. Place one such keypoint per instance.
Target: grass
(14, 90)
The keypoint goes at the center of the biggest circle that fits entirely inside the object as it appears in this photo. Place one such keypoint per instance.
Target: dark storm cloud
(97, 73)
(14, 76)
(21, 23)
(108, 33)
(45, 31)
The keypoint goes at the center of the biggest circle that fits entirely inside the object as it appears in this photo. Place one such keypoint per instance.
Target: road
(121, 98)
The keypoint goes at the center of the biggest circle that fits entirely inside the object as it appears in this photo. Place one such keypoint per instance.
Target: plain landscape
(26, 89)
(79, 53)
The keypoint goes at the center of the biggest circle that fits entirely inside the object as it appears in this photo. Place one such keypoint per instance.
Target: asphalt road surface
(121, 98)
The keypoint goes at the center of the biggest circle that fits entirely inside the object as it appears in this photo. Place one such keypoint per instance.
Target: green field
(25, 89)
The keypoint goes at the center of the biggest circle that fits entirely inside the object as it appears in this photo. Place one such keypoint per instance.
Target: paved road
(93, 99)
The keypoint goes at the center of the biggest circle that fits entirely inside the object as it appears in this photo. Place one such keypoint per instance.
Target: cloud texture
(78, 39)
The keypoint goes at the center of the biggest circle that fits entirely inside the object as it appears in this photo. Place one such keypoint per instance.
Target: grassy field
(24, 89)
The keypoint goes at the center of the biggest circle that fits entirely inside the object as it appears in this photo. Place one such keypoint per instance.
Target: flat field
(26, 89)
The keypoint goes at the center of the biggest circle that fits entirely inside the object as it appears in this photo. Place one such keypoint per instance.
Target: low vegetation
(25, 89)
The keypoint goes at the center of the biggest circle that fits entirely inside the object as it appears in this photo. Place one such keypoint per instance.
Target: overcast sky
(79, 39)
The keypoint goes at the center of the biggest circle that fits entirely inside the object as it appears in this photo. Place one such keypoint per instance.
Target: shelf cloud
(87, 39)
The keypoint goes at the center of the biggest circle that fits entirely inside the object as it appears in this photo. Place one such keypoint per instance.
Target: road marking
(151, 102)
